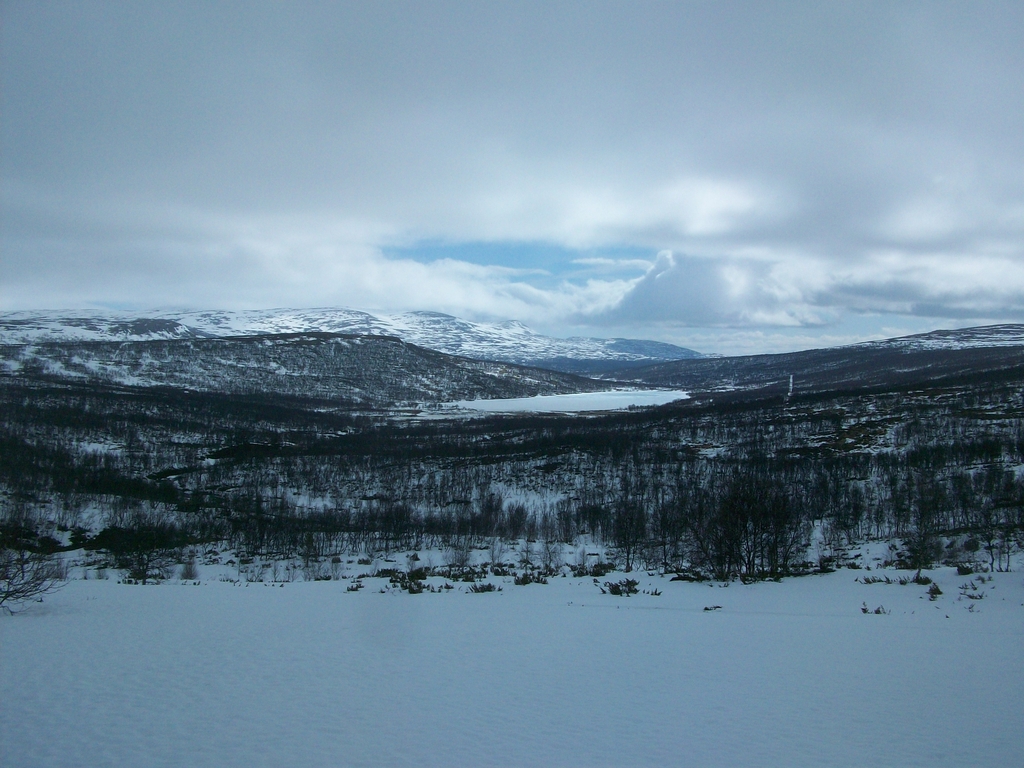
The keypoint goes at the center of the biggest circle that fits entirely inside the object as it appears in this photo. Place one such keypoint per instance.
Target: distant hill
(921, 359)
(510, 342)
(430, 357)
(361, 371)
(1009, 335)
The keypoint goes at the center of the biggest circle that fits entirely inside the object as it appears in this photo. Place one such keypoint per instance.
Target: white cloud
(607, 209)
(233, 263)
(801, 163)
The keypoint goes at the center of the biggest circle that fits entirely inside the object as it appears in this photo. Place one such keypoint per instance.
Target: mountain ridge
(926, 359)
(1001, 335)
(509, 341)
(354, 369)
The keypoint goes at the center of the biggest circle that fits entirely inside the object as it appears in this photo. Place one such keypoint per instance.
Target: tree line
(705, 491)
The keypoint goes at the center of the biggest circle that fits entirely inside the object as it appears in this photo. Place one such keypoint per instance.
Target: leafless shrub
(551, 556)
(189, 570)
(496, 550)
(526, 554)
(458, 553)
(28, 576)
(252, 573)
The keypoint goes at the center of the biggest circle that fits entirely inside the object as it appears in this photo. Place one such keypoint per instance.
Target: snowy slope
(927, 358)
(507, 342)
(364, 369)
(1010, 335)
(89, 325)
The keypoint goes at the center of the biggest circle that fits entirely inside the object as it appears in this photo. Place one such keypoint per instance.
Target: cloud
(709, 292)
(742, 292)
(800, 162)
(952, 285)
(613, 265)
(240, 263)
(605, 210)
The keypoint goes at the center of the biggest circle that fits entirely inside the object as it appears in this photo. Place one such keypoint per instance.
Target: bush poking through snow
(598, 569)
(529, 578)
(484, 587)
(879, 611)
(970, 591)
(875, 580)
(411, 581)
(623, 588)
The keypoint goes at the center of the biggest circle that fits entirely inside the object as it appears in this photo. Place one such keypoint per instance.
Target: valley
(310, 445)
(237, 502)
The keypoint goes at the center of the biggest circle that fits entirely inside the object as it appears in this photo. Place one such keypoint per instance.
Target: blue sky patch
(555, 260)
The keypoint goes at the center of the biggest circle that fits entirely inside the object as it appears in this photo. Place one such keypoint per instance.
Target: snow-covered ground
(790, 673)
(572, 403)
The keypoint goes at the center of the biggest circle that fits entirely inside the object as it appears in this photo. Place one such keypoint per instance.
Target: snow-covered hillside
(927, 357)
(1009, 335)
(367, 370)
(509, 342)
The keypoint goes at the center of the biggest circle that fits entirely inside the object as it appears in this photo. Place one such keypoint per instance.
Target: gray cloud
(810, 160)
(709, 292)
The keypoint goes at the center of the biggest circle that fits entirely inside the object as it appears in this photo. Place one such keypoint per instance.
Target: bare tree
(630, 526)
(26, 576)
(146, 546)
(28, 567)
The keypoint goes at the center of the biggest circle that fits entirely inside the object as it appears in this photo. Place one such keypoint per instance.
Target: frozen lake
(577, 403)
(793, 674)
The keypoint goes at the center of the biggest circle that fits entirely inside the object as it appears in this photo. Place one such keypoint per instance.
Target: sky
(729, 176)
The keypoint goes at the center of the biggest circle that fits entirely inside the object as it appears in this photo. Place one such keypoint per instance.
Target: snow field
(790, 673)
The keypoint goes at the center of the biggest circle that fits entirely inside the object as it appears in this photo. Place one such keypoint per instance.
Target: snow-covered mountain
(510, 342)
